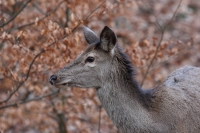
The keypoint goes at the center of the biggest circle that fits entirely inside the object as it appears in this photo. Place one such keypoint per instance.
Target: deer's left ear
(108, 39)
(90, 36)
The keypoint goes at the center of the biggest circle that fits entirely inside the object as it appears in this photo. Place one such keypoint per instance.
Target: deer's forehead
(93, 50)
(89, 49)
(95, 53)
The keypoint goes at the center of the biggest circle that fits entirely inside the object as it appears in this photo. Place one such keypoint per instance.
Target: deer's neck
(124, 107)
(124, 101)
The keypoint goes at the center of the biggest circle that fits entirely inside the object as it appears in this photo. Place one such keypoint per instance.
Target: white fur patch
(93, 64)
(113, 51)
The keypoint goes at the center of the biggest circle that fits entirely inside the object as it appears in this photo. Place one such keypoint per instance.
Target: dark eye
(90, 59)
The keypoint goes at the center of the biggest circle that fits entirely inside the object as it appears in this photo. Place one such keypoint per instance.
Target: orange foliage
(39, 37)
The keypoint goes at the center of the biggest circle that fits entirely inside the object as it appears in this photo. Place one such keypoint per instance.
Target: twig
(99, 126)
(15, 15)
(39, 10)
(60, 119)
(29, 100)
(89, 15)
(41, 52)
(95, 9)
(67, 12)
(159, 43)
(31, 23)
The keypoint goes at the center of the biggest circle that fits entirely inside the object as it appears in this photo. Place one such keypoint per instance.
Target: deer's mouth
(67, 82)
(64, 84)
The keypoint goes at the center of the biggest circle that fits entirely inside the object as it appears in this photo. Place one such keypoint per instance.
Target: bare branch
(99, 126)
(60, 119)
(31, 23)
(95, 9)
(39, 10)
(15, 15)
(159, 43)
(29, 100)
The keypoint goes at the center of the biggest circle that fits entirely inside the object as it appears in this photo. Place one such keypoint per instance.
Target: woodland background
(38, 37)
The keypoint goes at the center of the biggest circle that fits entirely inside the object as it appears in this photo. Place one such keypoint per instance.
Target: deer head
(92, 67)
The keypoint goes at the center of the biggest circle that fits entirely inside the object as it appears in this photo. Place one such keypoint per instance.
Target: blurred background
(38, 37)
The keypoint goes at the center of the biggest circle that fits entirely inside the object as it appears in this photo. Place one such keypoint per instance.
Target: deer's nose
(52, 79)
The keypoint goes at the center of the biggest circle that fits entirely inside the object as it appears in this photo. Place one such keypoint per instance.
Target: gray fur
(90, 36)
(173, 107)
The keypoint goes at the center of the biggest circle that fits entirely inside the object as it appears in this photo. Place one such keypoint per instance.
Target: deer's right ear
(108, 39)
(90, 36)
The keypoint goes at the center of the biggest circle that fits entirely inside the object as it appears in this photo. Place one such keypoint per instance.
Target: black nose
(52, 79)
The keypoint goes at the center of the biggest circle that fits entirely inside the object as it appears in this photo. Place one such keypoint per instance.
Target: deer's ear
(108, 39)
(90, 36)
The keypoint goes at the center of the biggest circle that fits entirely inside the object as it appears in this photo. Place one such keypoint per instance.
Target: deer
(172, 107)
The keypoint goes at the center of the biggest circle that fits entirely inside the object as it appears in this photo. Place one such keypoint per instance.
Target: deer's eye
(90, 59)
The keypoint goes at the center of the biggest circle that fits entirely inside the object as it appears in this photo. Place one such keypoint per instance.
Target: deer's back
(178, 101)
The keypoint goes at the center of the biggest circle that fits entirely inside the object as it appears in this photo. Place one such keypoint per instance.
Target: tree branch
(60, 119)
(160, 41)
(39, 10)
(29, 100)
(31, 23)
(99, 126)
(95, 9)
(15, 15)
